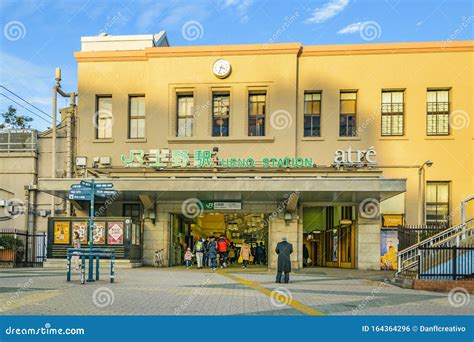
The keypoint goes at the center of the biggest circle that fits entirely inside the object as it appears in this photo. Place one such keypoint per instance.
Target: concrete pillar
(278, 228)
(156, 236)
(368, 242)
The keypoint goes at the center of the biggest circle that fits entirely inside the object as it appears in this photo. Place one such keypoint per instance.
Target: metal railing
(18, 140)
(408, 258)
(443, 262)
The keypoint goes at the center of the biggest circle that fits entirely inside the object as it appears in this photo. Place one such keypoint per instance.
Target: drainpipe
(69, 148)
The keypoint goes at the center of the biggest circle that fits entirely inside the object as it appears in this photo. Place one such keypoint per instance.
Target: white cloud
(326, 12)
(352, 28)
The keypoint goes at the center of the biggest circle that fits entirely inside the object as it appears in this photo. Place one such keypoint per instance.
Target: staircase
(408, 259)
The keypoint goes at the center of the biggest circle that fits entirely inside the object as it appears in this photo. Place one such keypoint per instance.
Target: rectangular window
(437, 108)
(392, 113)
(220, 114)
(348, 111)
(136, 125)
(437, 203)
(132, 210)
(312, 114)
(257, 107)
(104, 117)
(185, 115)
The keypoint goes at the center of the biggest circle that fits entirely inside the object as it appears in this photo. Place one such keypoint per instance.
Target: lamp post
(421, 192)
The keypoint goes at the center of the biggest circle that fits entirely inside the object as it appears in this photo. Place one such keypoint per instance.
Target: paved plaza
(177, 291)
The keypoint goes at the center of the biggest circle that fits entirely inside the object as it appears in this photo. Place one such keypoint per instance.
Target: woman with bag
(245, 254)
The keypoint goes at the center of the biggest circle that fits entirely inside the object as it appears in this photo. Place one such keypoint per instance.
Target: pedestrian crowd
(211, 251)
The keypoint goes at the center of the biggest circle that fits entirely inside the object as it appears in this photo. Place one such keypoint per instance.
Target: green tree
(13, 120)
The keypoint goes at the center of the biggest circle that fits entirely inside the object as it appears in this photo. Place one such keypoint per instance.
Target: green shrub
(10, 242)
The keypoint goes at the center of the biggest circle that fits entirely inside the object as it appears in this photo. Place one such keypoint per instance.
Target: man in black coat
(284, 249)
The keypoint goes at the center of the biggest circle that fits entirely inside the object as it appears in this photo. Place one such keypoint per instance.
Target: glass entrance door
(339, 247)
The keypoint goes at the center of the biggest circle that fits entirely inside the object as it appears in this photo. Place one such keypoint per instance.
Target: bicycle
(158, 260)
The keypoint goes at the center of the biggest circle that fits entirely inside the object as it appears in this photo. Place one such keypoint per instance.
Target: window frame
(305, 114)
(392, 113)
(213, 116)
(438, 113)
(139, 117)
(448, 203)
(97, 117)
(356, 92)
(191, 115)
(257, 116)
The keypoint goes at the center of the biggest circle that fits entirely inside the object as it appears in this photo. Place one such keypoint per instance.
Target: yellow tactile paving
(29, 299)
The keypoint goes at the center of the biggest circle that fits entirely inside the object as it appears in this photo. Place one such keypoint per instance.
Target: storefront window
(257, 107)
(437, 122)
(312, 114)
(185, 116)
(392, 113)
(104, 117)
(136, 128)
(347, 119)
(220, 115)
(437, 203)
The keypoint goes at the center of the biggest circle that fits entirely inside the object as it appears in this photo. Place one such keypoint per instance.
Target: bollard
(68, 267)
(112, 268)
(97, 267)
(83, 269)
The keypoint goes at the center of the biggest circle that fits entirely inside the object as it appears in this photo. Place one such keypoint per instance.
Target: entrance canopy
(308, 189)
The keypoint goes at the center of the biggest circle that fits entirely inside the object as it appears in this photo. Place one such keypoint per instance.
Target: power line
(26, 108)
(32, 105)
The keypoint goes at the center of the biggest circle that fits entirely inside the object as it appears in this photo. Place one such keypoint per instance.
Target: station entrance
(251, 228)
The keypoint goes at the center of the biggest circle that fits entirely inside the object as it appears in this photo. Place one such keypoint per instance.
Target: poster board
(81, 228)
(388, 249)
(61, 232)
(98, 234)
(115, 233)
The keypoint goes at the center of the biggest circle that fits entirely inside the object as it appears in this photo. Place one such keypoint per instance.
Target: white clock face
(221, 68)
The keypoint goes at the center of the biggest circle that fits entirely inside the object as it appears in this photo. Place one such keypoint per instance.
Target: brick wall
(443, 285)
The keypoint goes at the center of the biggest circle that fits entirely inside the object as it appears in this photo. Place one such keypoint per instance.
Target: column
(368, 240)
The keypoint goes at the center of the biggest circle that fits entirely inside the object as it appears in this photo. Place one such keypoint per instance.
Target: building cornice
(274, 49)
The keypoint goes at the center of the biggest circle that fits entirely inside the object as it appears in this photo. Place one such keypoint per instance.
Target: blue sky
(39, 35)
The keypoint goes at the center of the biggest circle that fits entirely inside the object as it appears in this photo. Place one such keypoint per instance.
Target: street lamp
(421, 192)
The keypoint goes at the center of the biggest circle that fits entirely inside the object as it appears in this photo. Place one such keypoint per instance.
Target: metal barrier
(442, 262)
(96, 254)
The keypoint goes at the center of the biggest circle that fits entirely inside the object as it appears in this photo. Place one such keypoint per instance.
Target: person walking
(76, 243)
(284, 250)
(245, 252)
(205, 259)
(231, 254)
(188, 258)
(305, 255)
(222, 246)
(212, 253)
(258, 254)
(199, 252)
(263, 254)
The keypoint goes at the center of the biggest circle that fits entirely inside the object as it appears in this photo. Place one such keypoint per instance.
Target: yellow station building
(329, 146)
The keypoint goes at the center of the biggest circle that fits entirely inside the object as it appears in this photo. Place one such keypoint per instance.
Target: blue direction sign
(86, 184)
(103, 185)
(80, 197)
(82, 191)
(106, 192)
(78, 186)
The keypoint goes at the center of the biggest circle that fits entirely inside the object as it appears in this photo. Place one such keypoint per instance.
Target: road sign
(106, 192)
(104, 185)
(80, 197)
(81, 191)
(86, 184)
(78, 186)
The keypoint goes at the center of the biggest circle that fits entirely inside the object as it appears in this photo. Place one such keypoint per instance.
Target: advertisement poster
(115, 233)
(388, 249)
(61, 232)
(98, 233)
(81, 228)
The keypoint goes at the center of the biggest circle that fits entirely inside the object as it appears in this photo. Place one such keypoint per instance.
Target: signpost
(87, 191)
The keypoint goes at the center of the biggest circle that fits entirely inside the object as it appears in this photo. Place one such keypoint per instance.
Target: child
(188, 257)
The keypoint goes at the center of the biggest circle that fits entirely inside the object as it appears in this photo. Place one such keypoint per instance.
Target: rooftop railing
(18, 140)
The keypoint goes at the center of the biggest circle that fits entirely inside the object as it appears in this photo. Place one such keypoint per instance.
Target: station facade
(328, 146)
